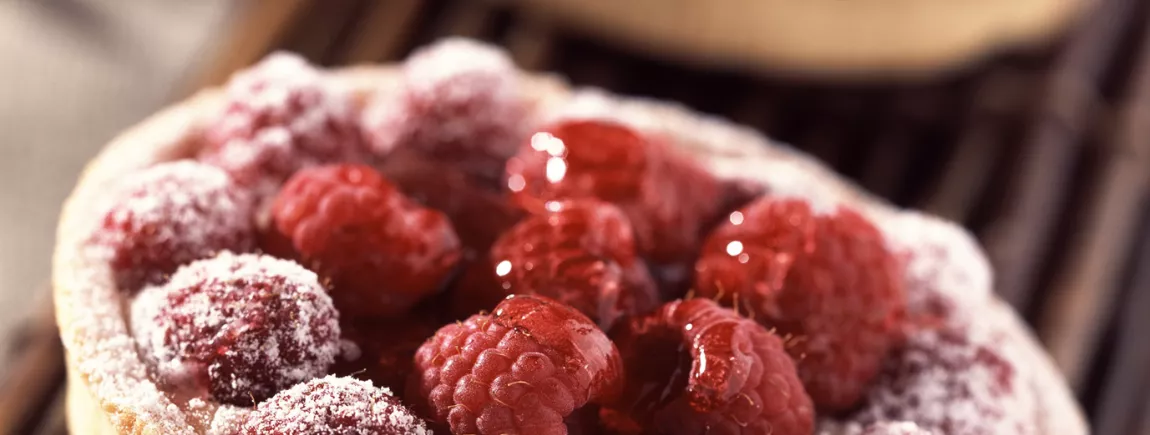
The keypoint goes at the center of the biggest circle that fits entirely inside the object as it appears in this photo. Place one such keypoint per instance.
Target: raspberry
(386, 348)
(240, 327)
(459, 102)
(280, 116)
(580, 253)
(333, 406)
(169, 215)
(899, 428)
(667, 197)
(694, 367)
(520, 370)
(382, 252)
(954, 380)
(479, 215)
(825, 281)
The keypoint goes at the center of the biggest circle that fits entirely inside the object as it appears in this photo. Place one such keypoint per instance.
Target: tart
(454, 246)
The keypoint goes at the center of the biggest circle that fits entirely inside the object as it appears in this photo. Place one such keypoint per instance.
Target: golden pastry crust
(834, 37)
(110, 391)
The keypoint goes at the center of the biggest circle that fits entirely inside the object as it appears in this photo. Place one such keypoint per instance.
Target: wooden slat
(531, 42)
(255, 32)
(383, 32)
(1086, 289)
(1017, 241)
(34, 376)
(470, 19)
(318, 35)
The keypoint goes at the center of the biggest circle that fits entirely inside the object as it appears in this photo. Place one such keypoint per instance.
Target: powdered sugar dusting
(334, 405)
(946, 273)
(238, 326)
(282, 115)
(896, 428)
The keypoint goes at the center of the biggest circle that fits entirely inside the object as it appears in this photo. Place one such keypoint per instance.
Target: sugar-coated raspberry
(333, 406)
(386, 348)
(954, 380)
(520, 370)
(478, 214)
(169, 215)
(238, 327)
(694, 367)
(898, 428)
(668, 198)
(382, 252)
(579, 252)
(459, 102)
(281, 115)
(824, 281)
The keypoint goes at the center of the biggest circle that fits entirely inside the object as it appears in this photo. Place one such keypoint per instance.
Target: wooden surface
(1043, 155)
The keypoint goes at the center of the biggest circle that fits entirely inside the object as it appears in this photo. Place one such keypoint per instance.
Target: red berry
(459, 102)
(382, 252)
(827, 280)
(240, 327)
(280, 116)
(333, 406)
(954, 380)
(520, 370)
(899, 428)
(169, 215)
(578, 252)
(385, 348)
(479, 214)
(667, 197)
(694, 367)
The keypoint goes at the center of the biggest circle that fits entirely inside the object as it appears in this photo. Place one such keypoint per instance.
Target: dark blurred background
(1040, 149)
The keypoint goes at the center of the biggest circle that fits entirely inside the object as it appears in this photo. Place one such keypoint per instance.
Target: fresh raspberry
(520, 370)
(280, 116)
(459, 102)
(667, 197)
(169, 215)
(382, 252)
(479, 214)
(333, 406)
(824, 281)
(954, 380)
(385, 348)
(694, 367)
(240, 327)
(899, 428)
(580, 253)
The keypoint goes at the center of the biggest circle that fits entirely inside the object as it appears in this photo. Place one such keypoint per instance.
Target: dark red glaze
(667, 197)
(694, 367)
(478, 213)
(385, 348)
(827, 280)
(382, 252)
(522, 369)
(579, 252)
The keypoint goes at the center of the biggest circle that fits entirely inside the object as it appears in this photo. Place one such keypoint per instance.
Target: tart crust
(109, 391)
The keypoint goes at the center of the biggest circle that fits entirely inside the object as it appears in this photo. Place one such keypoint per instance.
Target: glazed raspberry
(899, 428)
(169, 215)
(385, 348)
(281, 115)
(520, 370)
(459, 102)
(667, 198)
(952, 380)
(333, 406)
(579, 252)
(694, 367)
(382, 252)
(478, 214)
(239, 327)
(825, 279)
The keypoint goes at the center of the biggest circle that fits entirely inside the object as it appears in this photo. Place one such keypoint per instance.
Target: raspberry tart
(453, 246)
